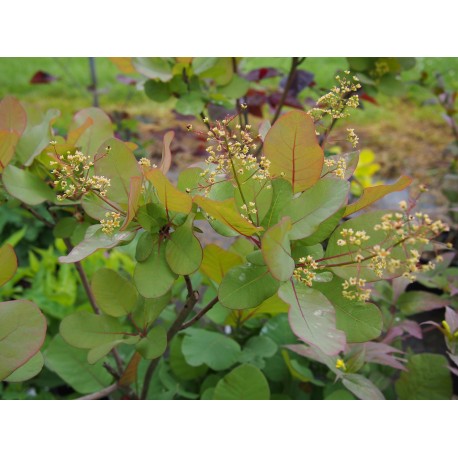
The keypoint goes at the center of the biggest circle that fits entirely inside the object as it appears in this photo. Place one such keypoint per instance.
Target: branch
(295, 62)
(193, 297)
(100, 394)
(84, 279)
(38, 216)
(200, 314)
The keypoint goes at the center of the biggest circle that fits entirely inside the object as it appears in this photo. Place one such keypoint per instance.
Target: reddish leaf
(130, 374)
(13, 117)
(135, 190)
(381, 353)
(374, 193)
(262, 73)
(41, 77)
(166, 153)
(292, 147)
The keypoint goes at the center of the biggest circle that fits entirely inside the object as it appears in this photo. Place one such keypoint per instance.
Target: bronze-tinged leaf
(170, 197)
(225, 211)
(124, 64)
(74, 134)
(166, 153)
(374, 193)
(130, 374)
(217, 262)
(8, 263)
(292, 147)
(135, 190)
(13, 117)
(8, 142)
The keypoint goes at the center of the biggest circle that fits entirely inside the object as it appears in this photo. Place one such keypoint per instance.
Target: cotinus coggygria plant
(287, 240)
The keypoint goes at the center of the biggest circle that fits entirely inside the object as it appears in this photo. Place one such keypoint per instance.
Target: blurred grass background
(69, 93)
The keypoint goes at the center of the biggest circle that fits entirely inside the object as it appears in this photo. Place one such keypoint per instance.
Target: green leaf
(98, 131)
(246, 286)
(315, 205)
(115, 295)
(221, 71)
(217, 262)
(31, 368)
(413, 302)
(312, 317)
(202, 64)
(94, 240)
(157, 91)
(427, 378)
(35, 138)
(292, 147)
(225, 211)
(152, 217)
(154, 344)
(375, 193)
(257, 349)
(180, 368)
(178, 364)
(87, 330)
(70, 364)
(236, 88)
(153, 277)
(119, 165)
(169, 195)
(361, 321)
(245, 382)
(183, 251)
(144, 246)
(190, 104)
(276, 250)
(362, 387)
(282, 194)
(8, 263)
(26, 186)
(22, 332)
(216, 350)
(99, 352)
(325, 229)
(65, 227)
(149, 310)
(154, 67)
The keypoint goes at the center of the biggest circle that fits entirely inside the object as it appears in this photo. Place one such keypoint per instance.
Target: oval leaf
(312, 318)
(22, 332)
(246, 286)
(114, 294)
(292, 147)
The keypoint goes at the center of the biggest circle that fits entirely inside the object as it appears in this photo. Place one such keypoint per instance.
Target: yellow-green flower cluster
(352, 137)
(335, 102)
(112, 222)
(305, 272)
(232, 154)
(247, 210)
(339, 167)
(402, 229)
(354, 289)
(72, 176)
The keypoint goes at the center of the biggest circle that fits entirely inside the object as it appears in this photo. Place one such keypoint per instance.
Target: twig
(37, 215)
(295, 62)
(84, 279)
(193, 297)
(100, 394)
(200, 314)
